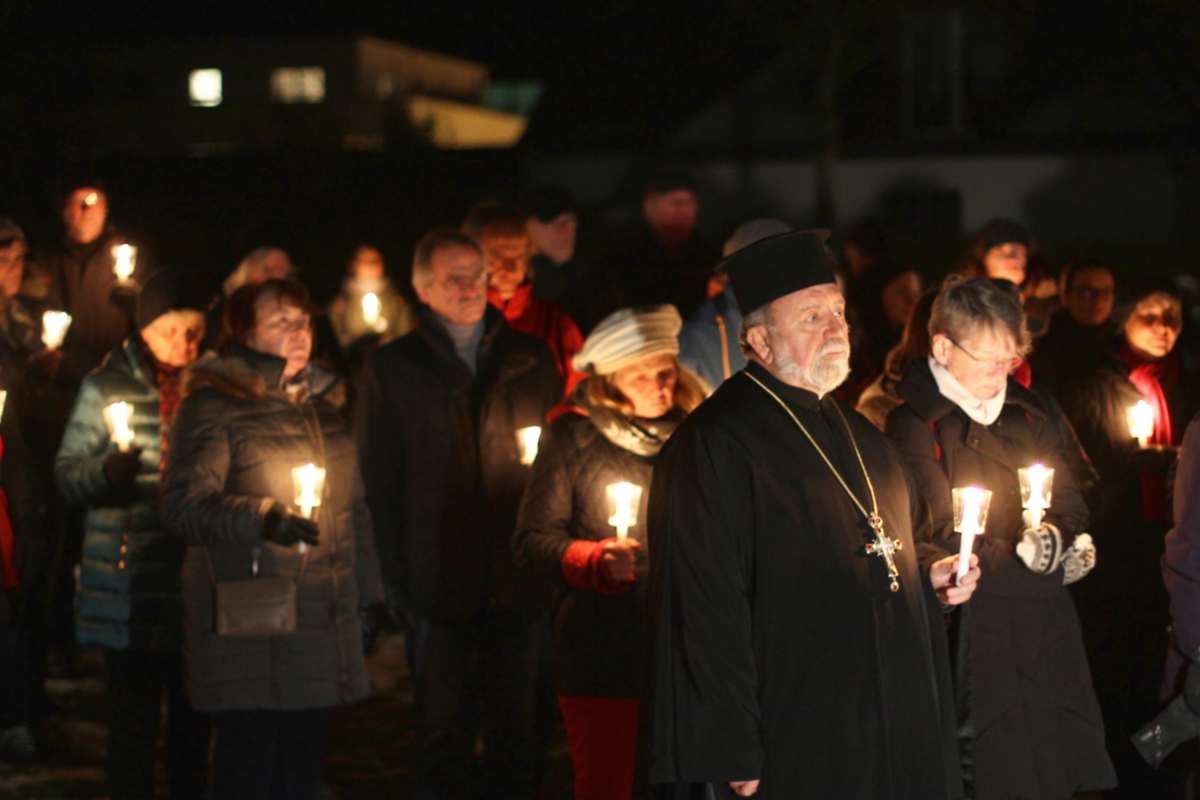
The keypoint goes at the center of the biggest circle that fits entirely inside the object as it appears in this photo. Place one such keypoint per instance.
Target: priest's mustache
(841, 346)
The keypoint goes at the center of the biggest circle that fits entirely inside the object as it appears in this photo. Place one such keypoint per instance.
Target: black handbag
(259, 606)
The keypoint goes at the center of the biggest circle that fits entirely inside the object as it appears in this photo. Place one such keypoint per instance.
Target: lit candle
(371, 308)
(623, 498)
(124, 261)
(309, 482)
(971, 505)
(1141, 422)
(3, 402)
(90, 199)
(54, 328)
(117, 416)
(1036, 482)
(527, 443)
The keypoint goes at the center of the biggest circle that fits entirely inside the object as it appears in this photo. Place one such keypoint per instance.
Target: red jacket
(545, 321)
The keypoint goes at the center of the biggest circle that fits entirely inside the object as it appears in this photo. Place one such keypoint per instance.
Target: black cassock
(779, 651)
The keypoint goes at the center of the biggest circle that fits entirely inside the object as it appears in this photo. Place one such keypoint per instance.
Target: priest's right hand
(744, 788)
(618, 559)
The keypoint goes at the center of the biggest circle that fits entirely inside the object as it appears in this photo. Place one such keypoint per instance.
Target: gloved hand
(121, 469)
(375, 620)
(1079, 559)
(1041, 548)
(284, 528)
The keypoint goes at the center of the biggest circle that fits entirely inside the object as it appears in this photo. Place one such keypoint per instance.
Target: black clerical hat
(779, 265)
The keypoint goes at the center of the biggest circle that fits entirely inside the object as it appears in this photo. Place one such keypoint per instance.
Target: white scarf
(984, 412)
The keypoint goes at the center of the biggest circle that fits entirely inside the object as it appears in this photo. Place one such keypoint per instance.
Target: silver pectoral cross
(886, 548)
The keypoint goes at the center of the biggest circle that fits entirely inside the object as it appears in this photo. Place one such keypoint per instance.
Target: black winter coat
(129, 592)
(1032, 713)
(235, 440)
(439, 454)
(597, 638)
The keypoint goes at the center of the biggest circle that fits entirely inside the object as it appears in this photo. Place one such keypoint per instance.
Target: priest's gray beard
(825, 373)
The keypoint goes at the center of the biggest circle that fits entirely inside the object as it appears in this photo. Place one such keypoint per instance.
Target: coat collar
(517, 305)
(431, 330)
(919, 390)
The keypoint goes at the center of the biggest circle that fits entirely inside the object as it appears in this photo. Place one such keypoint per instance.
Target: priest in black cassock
(798, 648)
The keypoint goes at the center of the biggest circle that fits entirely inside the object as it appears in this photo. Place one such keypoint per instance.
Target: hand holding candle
(527, 444)
(971, 505)
(623, 499)
(124, 261)
(1141, 422)
(54, 328)
(309, 484)
(117, 416)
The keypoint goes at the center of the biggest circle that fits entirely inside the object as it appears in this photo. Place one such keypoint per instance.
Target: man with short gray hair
(436, 423)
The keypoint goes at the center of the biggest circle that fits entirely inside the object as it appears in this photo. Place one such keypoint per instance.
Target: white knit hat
(629, 335)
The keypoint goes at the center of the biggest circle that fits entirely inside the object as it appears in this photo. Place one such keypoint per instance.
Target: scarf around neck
(643, 437)
(985, 412)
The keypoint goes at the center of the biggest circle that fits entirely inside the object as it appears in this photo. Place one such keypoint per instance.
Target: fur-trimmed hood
(246, 374)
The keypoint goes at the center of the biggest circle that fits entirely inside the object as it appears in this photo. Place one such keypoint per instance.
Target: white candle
(971, 505)
(1036, 482)
(527, 443)
(90, 199)
(371, 308)
(1141, 422)
(54, 328)
(117, 415)
(308, 481)
(124, 261)
(623, 498)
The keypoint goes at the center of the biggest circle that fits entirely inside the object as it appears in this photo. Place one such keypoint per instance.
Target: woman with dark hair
(248, 420)
(1029, 722)
(1005, 250)
(621, 415)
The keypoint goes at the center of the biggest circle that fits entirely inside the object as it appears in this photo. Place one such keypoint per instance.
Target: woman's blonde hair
(690, 392)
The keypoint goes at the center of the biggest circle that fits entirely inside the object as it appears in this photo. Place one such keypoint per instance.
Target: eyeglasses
(1005, 364)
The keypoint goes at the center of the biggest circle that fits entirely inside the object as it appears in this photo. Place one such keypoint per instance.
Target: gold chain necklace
(883, 546)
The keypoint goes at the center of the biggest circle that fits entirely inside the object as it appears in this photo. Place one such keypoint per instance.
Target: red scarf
(1149, 377)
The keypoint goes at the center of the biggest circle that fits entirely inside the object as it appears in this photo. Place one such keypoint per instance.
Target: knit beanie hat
(630, 335)
(169, 290)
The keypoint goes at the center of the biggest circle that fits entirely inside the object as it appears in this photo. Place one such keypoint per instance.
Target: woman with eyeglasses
(1029, 724)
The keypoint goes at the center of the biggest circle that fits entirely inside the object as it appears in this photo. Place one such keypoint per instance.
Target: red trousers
(602, 735)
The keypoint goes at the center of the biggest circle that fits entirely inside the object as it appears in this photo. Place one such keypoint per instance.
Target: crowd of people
(701, 508)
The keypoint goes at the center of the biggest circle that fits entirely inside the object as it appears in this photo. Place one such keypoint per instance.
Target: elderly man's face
(457, 286)
(806, 342)
(84, 214)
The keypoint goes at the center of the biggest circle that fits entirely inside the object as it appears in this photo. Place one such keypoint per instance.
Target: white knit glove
(1041, 548)
(1080, 559)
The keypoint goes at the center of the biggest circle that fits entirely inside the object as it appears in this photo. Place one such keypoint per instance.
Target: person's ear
(940, 348)
(760, 342)
(422, 291)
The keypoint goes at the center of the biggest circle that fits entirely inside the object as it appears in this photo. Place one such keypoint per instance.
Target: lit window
(204, 87)
(298, 84)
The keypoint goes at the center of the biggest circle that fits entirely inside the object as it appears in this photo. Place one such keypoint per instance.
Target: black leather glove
(285, 528)
(121, 469)
(375, 620)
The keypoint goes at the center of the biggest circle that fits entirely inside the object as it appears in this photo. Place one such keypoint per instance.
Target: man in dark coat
(436, 424)
(798, 646)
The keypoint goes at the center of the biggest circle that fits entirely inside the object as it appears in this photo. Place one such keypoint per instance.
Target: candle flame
(54, 328)
(118, 415)
(124, 261)
(371, 306)
(1141, 421)
(624, 498)
(308, 480)
(527, 444)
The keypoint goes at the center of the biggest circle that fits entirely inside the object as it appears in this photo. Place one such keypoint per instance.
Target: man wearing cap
(129, 599)
(799, 650)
